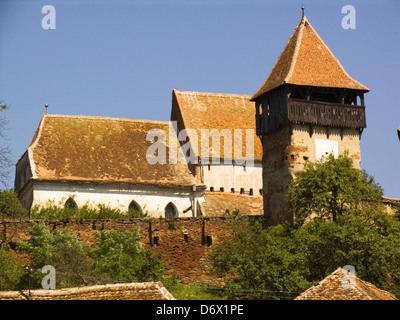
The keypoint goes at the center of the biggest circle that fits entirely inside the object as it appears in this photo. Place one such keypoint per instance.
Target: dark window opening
(211, 189)
(323, 96)
(296, 95)
(241, 190)
(350, 99)
(251, 192)
(171, 211)
(133, 206)
(221, 189)
(209, 240)
(233, 190)
(71, 204)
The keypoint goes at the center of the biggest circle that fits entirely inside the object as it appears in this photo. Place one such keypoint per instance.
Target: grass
(200, 291)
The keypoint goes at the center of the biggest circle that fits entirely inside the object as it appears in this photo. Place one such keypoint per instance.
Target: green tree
(282, 261)
(265, 263)
(62, 249)
(11, 270)
(10, 207)
(330, 188)
(120, 256)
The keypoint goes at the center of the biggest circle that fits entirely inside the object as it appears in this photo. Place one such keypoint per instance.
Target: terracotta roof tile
(306, 60)
(221, 203)
(101, 150)
(123, 291)
(201, 110)
(332, 288)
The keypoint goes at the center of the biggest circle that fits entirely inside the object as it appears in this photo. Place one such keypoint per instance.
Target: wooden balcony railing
(326, 114)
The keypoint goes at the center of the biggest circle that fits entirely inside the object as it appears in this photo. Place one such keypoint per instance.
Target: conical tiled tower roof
(306, 60)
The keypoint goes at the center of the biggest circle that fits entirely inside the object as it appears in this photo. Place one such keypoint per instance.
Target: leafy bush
(117, 257)
(120, 256)
(10, 270)
(53, 211)
(200, 291)
(61, 249)
(10, 207)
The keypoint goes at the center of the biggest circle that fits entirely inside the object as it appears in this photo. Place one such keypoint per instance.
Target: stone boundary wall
(183, 242)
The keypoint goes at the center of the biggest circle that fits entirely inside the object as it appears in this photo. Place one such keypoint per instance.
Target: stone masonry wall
(184, 242)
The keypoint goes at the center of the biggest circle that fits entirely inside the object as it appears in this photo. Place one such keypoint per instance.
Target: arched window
(133, 206)
(171, 211)
(71, 204)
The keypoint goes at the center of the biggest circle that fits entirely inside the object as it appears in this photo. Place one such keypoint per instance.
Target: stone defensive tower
(307, 108)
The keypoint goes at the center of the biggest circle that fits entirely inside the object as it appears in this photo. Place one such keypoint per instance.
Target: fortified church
(307, 108)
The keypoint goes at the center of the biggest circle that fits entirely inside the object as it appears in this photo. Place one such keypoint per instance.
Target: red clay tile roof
(332, 288)
(123, 291)
(306, 60)
(222, 203)
(101, 150)
(201, 110)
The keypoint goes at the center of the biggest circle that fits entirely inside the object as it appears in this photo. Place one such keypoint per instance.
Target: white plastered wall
(320, 144)
(152, 199)
(229, 176)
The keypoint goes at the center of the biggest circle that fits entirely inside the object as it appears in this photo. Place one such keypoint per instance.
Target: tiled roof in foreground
(221, 203)
(124, 291)
(101, 150)
(307, 61)
(337, 287)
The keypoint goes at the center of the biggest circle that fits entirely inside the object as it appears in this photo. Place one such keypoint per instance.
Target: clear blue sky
(123, 58)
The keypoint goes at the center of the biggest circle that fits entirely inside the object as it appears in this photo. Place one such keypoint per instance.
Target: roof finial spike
(302, 10)
(46, 106)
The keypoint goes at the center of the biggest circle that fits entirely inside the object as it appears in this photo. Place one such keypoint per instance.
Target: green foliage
(10, 270)
(10, 207)
(200, 291)
(396, 210)
(120, 256)
(61, 249)
(54, 211)
(330, 188)
(267, 263)
(282, 261)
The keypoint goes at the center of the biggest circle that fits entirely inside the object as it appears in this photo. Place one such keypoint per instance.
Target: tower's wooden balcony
(326, 114)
